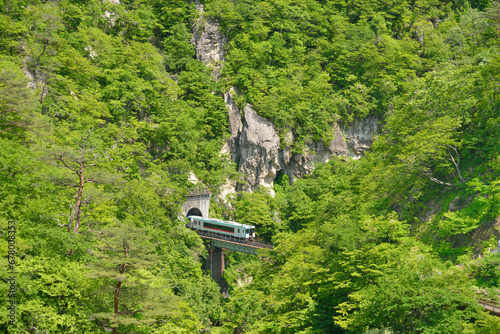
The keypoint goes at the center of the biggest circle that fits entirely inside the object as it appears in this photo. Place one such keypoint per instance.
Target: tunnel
(194, 212)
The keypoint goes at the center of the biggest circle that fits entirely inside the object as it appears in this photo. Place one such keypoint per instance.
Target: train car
(228, 228)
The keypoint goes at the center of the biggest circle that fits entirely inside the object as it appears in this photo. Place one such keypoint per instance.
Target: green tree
(122, 267)
(421, 140)
(18, 104)
(414, 295)
(254, 209)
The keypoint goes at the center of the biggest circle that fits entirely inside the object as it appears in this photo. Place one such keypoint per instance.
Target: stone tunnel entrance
(194, 212)
(197, 203)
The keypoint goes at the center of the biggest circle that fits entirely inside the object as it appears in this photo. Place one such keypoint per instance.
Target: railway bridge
(219, 243)
(197, 204)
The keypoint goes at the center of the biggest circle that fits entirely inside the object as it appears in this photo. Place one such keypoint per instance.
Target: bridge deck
(232, 240)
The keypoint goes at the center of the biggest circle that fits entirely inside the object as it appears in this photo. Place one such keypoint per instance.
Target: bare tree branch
(58, 221)
(455, 162)
(12, 127)
(81, 185)
(94, 231)
(60, 158)
(432, 178)
(128, 311)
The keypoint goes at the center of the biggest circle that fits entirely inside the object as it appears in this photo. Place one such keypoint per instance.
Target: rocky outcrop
(359, 135)
(29, 75)
(235, 122)
(37, 78)
(256, 148)
(208, 42)
(315, 152)
(254, 144)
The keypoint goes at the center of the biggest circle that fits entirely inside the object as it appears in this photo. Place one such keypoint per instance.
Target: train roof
(223, 222)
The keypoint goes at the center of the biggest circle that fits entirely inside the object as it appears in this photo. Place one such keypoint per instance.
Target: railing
(252, 243)
(490, 305)
(199, 192)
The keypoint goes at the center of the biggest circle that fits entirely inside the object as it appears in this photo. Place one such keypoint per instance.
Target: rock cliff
(256, 148)
(254, 143)
(208, 41)
(359, 135)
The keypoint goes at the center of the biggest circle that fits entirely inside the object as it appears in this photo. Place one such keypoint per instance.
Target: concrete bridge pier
(215, 263)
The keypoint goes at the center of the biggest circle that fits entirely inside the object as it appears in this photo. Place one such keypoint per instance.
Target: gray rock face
(258, 150)
(360, 134)
(315, 152)
(254, 143)
(208, 42)
(37, 79)
(235, 122)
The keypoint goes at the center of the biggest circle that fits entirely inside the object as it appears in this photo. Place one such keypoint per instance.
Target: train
(221, 227)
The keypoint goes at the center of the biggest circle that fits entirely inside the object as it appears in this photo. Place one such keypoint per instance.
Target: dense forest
(106, 112)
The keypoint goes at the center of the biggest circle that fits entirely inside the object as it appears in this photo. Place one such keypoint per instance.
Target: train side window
(238, 230)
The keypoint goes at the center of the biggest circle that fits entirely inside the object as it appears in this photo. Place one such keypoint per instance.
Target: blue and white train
(226, 228)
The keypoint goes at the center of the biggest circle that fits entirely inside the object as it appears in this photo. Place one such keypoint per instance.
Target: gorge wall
(258, 152)
(254, 144)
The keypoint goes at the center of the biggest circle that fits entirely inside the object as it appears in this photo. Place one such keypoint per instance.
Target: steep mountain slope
(108, 107)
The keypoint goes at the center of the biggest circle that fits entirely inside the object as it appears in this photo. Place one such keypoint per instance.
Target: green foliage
(254, 209)
(486, 272)
(94, 85)
(55, 295)
(178, 50)
(353, 267)
(485, 207)
(18, 103)
(416, 294)
(245, 306)
(122, 268)
(305, 65)
(347, 259)
(105, 110)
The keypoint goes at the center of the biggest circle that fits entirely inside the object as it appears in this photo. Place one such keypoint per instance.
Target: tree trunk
(79, 198)
(117, 292)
